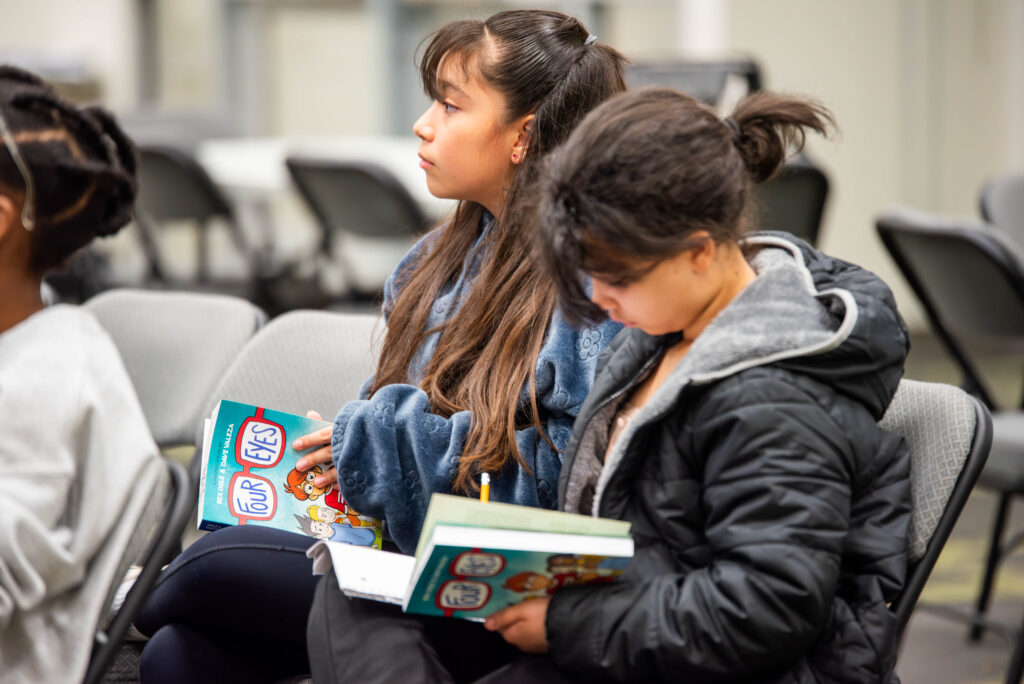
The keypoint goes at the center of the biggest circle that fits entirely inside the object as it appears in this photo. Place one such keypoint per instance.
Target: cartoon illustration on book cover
(249, 478)
(476, 578)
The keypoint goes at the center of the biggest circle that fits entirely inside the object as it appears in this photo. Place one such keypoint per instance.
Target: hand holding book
(251, 476)
(322, 456)
(522, 625)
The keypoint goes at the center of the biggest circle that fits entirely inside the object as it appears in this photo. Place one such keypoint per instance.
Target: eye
(308, 488)
(310, 475)
(618, 281)
(448, 107)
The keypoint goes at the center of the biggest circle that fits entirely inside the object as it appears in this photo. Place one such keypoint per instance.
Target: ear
(10, 220)
(10, 217)
(702, 256)
(524, 129)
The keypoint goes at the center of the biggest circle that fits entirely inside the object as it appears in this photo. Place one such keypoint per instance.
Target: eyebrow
(444, 86)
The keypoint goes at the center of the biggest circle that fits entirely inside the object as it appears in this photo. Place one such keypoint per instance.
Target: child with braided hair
(75, 444)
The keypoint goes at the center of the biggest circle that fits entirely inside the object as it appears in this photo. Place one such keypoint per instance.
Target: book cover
(476, 558)
(248, 477)
(474, 572)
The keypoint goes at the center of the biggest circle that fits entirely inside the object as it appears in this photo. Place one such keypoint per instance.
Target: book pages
(364, 572)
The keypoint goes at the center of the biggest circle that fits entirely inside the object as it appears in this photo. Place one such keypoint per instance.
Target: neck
(735, 274)
(21, 298)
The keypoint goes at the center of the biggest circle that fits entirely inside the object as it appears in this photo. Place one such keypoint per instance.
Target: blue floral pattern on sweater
(392, 452)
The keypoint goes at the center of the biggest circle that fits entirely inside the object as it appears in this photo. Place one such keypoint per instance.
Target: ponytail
(768, 126)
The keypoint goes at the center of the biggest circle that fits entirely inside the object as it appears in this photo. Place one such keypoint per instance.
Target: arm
(74, 441)
(776, 498)
(392, 452)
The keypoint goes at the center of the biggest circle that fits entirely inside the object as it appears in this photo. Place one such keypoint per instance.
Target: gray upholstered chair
(969, 277)
(948, 433)
(1002, 204)
(301, 360)
(176, 346)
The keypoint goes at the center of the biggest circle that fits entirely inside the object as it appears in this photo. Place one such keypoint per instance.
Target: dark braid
(82, 163)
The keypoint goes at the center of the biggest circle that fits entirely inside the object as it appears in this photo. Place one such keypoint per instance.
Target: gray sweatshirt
(77, 463)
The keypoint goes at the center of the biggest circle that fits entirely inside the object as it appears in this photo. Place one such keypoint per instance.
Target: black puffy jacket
(769, 512)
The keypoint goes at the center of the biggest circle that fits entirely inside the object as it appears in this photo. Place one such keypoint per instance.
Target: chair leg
(991, 564)
(1016, 668)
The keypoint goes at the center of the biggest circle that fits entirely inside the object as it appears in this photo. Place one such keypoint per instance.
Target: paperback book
(248, 477)
(475, 558)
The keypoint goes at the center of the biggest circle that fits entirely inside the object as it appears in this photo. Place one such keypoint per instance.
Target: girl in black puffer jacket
(733, 424)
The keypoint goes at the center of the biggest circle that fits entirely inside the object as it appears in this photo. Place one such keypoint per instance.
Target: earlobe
(522, 143)
(10, 216)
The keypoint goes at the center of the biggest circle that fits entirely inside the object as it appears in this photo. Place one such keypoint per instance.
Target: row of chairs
(184, 351)
(366, 200)
(969, 278)
(354, 198)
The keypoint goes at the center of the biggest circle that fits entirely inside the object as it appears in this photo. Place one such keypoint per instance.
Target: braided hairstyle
(82, 166)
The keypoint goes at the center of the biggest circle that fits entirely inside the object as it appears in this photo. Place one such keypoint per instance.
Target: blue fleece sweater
(392, 452)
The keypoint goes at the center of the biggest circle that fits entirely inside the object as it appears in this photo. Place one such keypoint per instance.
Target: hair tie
(731, 124)
(591, 39)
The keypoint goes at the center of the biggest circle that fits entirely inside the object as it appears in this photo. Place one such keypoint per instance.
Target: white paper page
(364, 572)
(207, 429)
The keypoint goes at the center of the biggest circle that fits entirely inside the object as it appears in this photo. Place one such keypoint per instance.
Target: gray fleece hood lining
(778, 316)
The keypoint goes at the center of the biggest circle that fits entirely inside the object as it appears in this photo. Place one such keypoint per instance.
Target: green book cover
(475, 558)
(248, 477)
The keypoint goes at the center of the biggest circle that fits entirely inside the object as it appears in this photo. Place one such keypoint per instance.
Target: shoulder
(583, 343)
(67, 355)
(407, 263)
(59, 370)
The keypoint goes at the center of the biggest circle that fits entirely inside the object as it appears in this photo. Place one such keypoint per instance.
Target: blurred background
(929, 94)
(264, 122)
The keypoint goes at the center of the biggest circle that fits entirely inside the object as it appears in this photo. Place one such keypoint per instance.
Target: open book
(475, 558)
(248, 477)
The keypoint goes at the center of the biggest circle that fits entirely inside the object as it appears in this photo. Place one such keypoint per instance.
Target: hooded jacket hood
(805, 312)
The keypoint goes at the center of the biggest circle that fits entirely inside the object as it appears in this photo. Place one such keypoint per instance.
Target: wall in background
(925, 91)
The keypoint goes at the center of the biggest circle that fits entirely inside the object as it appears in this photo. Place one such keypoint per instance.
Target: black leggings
(232, 607)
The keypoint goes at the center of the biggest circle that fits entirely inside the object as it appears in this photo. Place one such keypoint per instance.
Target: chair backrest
(302, 360)
(793, 201)
(176, 346)
(969, 279)
(1002, 204)
(356, 197)
(155, 541)
(706, 80)
(173, 186)
(948, 433)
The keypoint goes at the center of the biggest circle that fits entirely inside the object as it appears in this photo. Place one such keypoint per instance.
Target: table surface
(256, 166)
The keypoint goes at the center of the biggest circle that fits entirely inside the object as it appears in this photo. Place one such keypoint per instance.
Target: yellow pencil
(485, 487)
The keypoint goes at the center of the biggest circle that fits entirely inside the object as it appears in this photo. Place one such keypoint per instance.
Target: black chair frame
(164, 545)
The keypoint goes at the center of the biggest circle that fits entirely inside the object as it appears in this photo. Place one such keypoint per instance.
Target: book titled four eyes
(248, 477)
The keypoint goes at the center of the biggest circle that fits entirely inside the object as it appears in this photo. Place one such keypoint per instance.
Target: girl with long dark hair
(478, 371)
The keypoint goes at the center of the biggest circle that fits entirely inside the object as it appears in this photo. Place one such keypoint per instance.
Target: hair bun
(767, 126)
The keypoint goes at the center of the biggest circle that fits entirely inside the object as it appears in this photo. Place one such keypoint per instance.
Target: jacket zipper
(607, 400)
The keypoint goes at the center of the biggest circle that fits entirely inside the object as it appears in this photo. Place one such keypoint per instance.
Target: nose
(423, 128)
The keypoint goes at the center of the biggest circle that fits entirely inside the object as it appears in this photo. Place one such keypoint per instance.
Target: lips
(425, 163)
